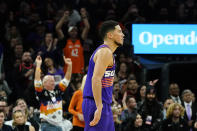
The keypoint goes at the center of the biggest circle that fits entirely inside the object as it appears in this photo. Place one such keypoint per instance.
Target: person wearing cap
(151, 110)
(73, 45)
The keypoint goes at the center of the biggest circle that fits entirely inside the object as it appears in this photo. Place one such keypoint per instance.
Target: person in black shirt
(3, 127)
(174, 121)
(135, 123)
(19, 121)
(151, 110)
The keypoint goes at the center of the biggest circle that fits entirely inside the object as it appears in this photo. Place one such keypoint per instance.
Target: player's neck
(111, 45)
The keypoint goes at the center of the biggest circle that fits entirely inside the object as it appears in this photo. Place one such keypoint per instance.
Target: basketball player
(97, 94)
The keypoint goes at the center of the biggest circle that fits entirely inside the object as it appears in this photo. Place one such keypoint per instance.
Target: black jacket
(194, 111)
(6, 128)
(153, 110)
(168, 125)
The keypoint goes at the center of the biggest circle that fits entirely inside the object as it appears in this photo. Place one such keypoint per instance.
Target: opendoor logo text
(164, 38)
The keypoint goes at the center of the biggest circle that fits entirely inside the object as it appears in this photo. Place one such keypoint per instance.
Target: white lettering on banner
(149, 36)
(157, 40)
(109, 73)
(168, 39)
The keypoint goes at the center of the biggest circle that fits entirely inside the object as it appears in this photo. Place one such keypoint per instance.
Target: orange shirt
(75, 52)
(75, 107)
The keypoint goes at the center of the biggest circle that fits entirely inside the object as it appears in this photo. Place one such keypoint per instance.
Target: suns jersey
(51, 102)
(74, 51)
(107, 80)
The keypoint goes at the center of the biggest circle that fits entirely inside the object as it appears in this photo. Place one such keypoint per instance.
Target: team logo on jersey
(77, 46)
(75, 52)
(109, 73)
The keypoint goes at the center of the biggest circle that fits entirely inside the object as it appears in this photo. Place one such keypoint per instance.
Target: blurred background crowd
(52, 28)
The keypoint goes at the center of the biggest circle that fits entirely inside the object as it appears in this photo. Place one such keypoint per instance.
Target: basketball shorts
(106, 122)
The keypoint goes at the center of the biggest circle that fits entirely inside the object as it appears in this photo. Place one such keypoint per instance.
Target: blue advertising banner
(164, 38)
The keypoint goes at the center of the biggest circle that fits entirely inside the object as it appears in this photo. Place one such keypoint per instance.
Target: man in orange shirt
(73, 48)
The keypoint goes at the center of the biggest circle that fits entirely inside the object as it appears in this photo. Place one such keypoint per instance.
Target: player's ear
(109, 35)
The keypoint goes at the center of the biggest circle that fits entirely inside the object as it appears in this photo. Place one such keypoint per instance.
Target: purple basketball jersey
(107, 80)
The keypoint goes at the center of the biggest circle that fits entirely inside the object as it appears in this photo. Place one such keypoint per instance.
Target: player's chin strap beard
(118, 44)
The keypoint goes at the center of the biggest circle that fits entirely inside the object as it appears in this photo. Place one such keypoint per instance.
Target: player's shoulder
(104, 51)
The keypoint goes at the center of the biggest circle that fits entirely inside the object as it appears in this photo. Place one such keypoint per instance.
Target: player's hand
(80, 117)
(67, 61)
(38, 60)
(97, 117)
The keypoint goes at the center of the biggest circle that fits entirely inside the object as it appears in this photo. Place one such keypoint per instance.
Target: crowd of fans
(53, 29)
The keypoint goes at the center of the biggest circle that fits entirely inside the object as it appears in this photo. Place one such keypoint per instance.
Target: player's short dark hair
(106, 27)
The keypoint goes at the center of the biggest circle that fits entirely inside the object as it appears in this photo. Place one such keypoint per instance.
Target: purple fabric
(188, 112)
(107, 88)
(106, 122)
